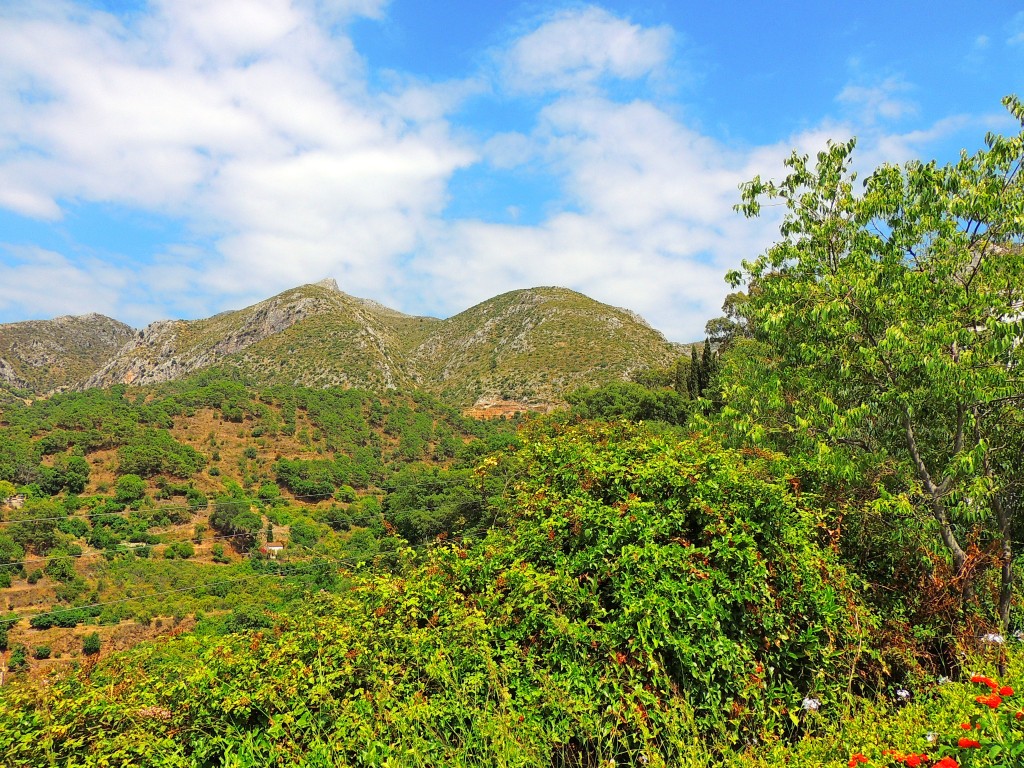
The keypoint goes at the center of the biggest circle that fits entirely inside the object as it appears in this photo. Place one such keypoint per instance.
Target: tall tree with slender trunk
(893, 315)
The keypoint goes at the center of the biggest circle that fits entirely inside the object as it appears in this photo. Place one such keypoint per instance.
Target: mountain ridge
(527, 346)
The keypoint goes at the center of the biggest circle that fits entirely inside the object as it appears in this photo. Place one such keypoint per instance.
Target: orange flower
(855, 759)
(964, 743)
(1006, 691)
(966, 726)
(986, 681)
(992, 700)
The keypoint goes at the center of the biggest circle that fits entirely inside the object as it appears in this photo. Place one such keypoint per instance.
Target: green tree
(888, 323)
(74, 471)
(129, 488)
(304, 533)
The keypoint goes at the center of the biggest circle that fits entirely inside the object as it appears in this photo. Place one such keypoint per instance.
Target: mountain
(314, 335)
(48, 355)
(531, 345)
(526, 346)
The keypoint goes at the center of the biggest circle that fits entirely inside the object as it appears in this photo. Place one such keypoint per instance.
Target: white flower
(943, 680)
(903, 694)
(931, 738)
(993, 638)
(811, 704)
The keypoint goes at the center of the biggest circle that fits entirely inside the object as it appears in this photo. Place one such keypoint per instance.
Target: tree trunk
(934, 499)
(1006, 571)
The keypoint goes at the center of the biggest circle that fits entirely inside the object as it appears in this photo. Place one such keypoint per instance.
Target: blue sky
(178, 158)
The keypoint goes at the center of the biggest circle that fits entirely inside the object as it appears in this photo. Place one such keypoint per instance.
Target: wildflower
(966, 726)
(913, 761)
(986, 681)
(991, 701)
(963, 742)
(947, 762)
(856, 759)
(993, 638)
(1006, 691)
(902, 694)
(811, 704)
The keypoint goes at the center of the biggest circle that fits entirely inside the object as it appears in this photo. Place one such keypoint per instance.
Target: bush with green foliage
(304, 533)
(18, 661)
(179, 549)
(129, 488)
(425, 501)
(61, 566)
(247, 618)
(633, 402)
(91, 644)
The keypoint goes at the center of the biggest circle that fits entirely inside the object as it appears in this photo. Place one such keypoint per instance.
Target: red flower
(966, 726)
(947, 762)
(986, 681)
(964, 743)
(855, 759)
(915, 760)
(1019, 715)
(992, 700)
(1006, 691)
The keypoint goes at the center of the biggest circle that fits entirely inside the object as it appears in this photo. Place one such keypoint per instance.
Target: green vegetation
(91, 644)
(794, 545)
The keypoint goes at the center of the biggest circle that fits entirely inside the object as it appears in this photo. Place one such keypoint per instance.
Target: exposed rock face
(170, 349)
(49, 355)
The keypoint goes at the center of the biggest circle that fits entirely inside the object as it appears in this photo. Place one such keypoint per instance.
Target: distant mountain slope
(526, 346)
(46, 355)
(531, 345)
(314, 335)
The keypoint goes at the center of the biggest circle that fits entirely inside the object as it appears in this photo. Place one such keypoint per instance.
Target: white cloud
(35, 282)
(878, 102)
(246, 119)
(575, 49)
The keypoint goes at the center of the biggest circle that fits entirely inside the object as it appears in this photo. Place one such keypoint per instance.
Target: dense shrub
(304, 533)
(91, 644)
(634, 402)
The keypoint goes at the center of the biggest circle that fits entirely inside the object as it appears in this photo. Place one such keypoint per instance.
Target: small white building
(271, 549)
